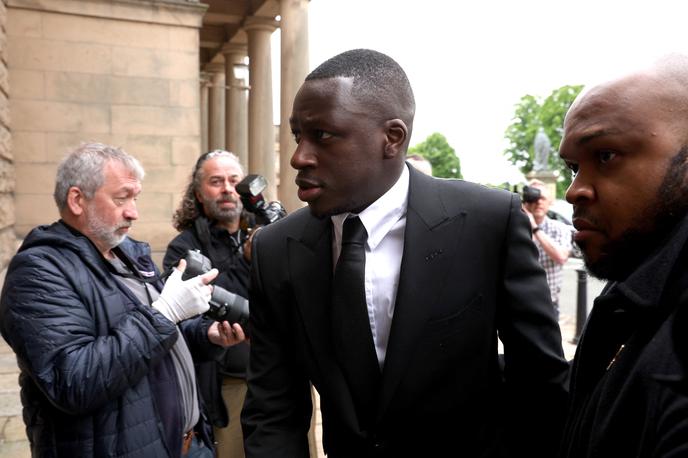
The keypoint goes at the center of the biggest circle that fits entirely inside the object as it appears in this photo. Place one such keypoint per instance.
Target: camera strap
(131, 272)
(202, 228)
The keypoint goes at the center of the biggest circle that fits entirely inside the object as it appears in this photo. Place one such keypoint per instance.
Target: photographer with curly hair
(208, 219)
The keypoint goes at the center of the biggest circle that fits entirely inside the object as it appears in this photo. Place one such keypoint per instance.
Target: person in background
(626, 142)
(103, 347)
(208, 219)
(552, 238)
(389, 291)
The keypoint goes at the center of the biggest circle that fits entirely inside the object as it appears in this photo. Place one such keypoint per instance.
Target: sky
(470, 62)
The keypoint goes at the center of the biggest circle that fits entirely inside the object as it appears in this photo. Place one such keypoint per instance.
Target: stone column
(216, 106)
(236, 103)
(261, 137)
(204, 88)
(294, 61)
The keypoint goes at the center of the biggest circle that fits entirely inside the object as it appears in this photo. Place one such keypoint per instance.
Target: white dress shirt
(385, 222)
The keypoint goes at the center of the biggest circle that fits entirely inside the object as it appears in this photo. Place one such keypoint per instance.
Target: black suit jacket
(469, 273)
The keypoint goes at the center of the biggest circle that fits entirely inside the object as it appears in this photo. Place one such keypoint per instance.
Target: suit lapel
(430, 243)
(310, 264)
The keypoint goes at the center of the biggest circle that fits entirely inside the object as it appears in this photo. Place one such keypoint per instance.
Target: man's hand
(533, 224)
(226, 335)
(182, 299)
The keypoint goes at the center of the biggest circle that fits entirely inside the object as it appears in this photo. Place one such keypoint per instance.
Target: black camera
(530, 195)
(250, 189)
(224, 306)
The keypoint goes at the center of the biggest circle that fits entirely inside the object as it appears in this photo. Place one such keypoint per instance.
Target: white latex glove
(181, 299)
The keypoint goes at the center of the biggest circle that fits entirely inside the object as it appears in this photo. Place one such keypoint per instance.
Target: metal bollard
(582, 303)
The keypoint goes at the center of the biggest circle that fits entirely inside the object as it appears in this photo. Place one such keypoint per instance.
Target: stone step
(13, 441)
(15, 450)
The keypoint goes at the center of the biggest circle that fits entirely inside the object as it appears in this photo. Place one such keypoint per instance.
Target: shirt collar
(379, 217)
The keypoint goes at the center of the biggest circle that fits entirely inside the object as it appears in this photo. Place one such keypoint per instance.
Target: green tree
(530, 114)
(445, 163)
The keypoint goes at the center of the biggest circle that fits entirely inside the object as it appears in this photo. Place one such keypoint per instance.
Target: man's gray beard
(223, 215)
(103, 233)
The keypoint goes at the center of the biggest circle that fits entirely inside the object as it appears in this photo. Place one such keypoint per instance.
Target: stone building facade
(7, 236)
(156, 77)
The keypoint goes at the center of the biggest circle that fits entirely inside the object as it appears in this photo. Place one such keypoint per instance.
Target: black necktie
(351, 335)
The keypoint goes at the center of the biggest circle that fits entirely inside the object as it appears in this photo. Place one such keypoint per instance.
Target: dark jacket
(97, 378)
(224, 253)
(632, 401)
(469, 271)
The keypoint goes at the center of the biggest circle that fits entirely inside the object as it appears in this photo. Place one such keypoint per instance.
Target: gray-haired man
(103, 348)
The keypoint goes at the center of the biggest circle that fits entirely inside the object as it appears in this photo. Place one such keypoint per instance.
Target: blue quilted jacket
(97, 378)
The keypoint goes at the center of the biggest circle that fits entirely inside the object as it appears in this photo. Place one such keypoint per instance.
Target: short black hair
(378, 81)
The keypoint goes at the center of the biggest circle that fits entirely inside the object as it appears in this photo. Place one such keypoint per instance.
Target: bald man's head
(626, 141)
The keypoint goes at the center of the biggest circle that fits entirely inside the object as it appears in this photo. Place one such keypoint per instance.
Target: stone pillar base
(546, 176)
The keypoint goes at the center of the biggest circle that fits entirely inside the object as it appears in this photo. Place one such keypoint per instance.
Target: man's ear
(76, 201)
(396, 134)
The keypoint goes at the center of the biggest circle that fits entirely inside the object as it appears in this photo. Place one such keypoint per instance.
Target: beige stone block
(6, 210)
(60, 117)
(10, 403)
(175, 13)
(77, 87)
(23, 23)
(3, 44)
(7, 176)
(5, 143)
(150, 150)
(4, 110)
(154, 63)
(4, 78)
(32, 178)
(14, 429)
(59, 56)
(155, 206)
(184, 39)
(185, 151)
(104, 31)
(21, 230)
(167, 179)
(29, 146)
(34, 209)
(157, 234)
(139, 91)
(27, 84)
(59, 144)
(8, 247)
(155, 120)
(17, 449)
(184, 93)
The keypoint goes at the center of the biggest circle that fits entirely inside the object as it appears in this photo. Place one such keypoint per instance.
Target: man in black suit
(449, 266)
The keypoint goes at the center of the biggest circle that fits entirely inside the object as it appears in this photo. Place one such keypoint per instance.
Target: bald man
(627, 143)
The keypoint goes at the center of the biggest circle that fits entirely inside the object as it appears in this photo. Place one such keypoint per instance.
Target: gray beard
(103, 233)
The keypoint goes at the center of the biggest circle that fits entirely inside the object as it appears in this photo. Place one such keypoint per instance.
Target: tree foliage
(530, 114)
(436, 149)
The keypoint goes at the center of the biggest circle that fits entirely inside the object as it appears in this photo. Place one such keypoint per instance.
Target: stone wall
(115, 71)
(7, 237)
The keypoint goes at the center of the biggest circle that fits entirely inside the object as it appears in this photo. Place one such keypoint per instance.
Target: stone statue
(542, 148)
